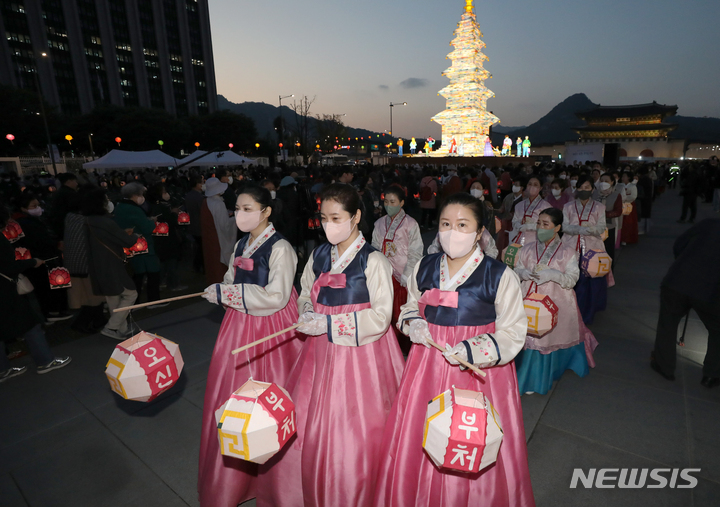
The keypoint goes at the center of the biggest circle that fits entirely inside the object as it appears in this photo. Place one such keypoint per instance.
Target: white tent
(199, 159)
(118, 159)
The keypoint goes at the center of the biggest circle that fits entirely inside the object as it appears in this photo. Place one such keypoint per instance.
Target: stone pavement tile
(692, 373)
(249, 503)
(9, 493)
(704, 420)
(57, 439)
(554, 454)
(97, 470)
(629, 360)
(166, 437)
(195, 393)
(641, 420)
(636, 325)
(34, 406)
(532, 407)
(631, 299)
(706, 494)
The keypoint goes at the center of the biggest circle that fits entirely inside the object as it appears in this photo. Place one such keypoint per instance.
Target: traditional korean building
(631, 132)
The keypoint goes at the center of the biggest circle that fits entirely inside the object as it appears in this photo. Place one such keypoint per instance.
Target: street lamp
(44, 117)
(393, 104)
(282, 138)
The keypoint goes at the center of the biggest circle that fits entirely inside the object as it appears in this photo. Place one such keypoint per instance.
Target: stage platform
(463, 161)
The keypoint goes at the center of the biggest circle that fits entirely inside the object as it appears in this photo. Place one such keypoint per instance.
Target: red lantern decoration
(161, 229)
(317, 223)
(197, 145)
(13, 231)
(118, 140)
(22, 254)
(183, 218)
(59, 278)
(140, 247)
(230, 145)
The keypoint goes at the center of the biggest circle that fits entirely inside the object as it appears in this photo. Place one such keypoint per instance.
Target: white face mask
(563, 176)
(604, 186)
(230, 180)
(273, 194)
(477, 193)
(556, 192)
(457, 244)
(109, 206)
(573, 183)
(35, 212)
(516, 189)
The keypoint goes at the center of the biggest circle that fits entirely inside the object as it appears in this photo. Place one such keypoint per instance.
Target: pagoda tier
(466, 119)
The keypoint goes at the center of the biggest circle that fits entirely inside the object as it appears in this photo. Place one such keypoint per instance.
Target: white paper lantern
(542, 314)
(255, 423)
(463, 431)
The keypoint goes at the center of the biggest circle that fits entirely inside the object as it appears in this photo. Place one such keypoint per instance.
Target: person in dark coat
(691, 283)
(289, 217)
(18, 318)
(193, 203)
(42, 244)
(689, 190)
(106, 262)
(64, 201)
(645, 199)
(168, 248)
(129, 214)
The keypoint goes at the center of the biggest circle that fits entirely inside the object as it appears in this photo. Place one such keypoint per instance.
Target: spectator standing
(689, 190)
(193, 203)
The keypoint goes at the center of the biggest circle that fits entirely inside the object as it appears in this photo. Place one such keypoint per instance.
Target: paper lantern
(13, 231)
(463, 431)
(22, 254)
(627, 208)
(143, 367)
(542, 314)
(255, 423)
(140, 247)
(509, 254)
(59, 278)
(183, 218)
(596, 263)
(161, 229)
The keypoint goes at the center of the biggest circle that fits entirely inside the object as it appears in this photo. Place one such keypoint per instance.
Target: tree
(329, 127)
(221, 128)
(302, 126)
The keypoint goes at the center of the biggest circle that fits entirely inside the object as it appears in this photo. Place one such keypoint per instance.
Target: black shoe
(58, 316)
(12, 372)
(55, 364)
(656, 367)
(710, 382)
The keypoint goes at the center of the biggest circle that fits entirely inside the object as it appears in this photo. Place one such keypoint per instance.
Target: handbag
(23, 284)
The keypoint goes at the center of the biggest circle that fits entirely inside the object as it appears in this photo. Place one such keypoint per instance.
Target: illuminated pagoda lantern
(466, 119)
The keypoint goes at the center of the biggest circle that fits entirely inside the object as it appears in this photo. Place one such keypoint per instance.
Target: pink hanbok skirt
(224, 481)
(408, 478)
(342, 397)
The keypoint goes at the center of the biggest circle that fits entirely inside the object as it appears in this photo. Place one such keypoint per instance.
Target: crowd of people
(340, 252)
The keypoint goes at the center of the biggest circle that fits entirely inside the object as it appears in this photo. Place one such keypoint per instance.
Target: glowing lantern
(118, 140)
(542, 314)
(183, 218)
(257, 145)
(281, 145)
(161, 229)
(509, 255)
(197, 145)
(463, 431)
(627, 208)
(231, 145)
(59, 278)
(140, 247)
(13, 231)
(596, 264)
(22, 254)
(10, 138)
(161, 143)
(144, 366)
(69, 138)
(256, 422)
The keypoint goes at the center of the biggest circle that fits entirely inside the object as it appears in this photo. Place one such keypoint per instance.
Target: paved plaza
(67, 440)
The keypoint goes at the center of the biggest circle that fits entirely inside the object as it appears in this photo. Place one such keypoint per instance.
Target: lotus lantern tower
(466, 118)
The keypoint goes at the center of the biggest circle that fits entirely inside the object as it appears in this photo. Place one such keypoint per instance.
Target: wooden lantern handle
(159, 301)
(460, 360)
(263, 340)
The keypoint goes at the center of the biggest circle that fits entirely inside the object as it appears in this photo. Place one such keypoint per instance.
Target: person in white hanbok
(524, 220)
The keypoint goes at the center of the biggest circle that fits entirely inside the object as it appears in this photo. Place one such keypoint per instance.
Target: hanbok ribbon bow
(244, 263)
(332, 281)
(437, 297)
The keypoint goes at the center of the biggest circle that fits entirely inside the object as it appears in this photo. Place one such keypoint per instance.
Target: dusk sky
(357, 57)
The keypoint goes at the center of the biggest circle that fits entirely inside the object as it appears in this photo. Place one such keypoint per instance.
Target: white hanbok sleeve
(264, 301)
(488, 245)
(501, 347)
(518, 216)
(520, 269)
(629, 194)
(569, 228)
(434, 246)
(359, 328)
(600, 226)
(229, 277)
(410, 310)
(306, 284)
(569, 278)
(377, 239)
(415, 252)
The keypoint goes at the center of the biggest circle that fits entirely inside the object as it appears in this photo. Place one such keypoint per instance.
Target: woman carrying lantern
(524, 220)
(258, 294)
(550, 268)
(397, 236)
(347, 375)
(583, 226)
(472, 306)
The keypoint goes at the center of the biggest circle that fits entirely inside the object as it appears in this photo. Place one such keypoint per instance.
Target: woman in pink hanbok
(583, 226)
(472, 306)
(347, 375)
(258, 294)
(524, 220)
(549, 267)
